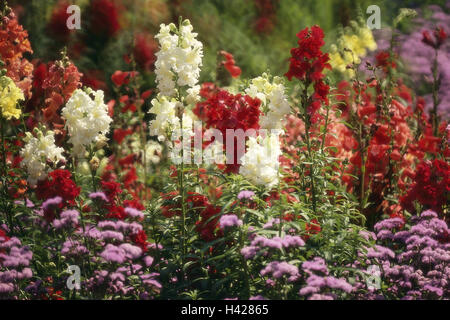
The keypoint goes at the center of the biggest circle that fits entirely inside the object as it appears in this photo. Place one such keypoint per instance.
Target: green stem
(244, 262)
(183, 196)
(2, 129)
(434, 115)
(324, 135)
(307, 121)
(362, 144)
(4, 178)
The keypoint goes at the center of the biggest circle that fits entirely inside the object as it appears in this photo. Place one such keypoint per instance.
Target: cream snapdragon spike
(274, 102)
(260, 164)
(179, 60)
(167, 121)
(177, 71)
(38, 152)
(87, 119)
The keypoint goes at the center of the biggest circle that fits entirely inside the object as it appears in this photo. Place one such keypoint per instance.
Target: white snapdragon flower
(87, 119)
(167, 121)
(193, 95)
(153, 152)
(37, 152)
(179, 59)
(274, 102)
(260, 164)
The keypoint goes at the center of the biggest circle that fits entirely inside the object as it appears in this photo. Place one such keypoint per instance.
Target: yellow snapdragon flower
(358, 40)
(10, 94)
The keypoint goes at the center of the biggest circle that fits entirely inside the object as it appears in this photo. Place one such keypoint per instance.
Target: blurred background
(259, 33)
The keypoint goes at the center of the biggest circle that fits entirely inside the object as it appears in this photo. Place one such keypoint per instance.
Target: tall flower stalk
(307, 64)
(439, 38)
(177, 71)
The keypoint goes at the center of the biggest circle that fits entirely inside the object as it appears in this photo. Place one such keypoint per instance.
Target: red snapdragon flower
(14, 44)
(52, 294)
(307, 60)
(311, 229)
(266, 16)
(439, 38)
(94, 79)
(208, 225)
(224, 110)
(3, 236)
(58, 183)
(384, 60)
(128, 160)
(431, 186)
(58, 22)
(120, 134)
(230, 64)
(112, 189)
(55, 84)
(307, 64)
(130, 177)
(104, 18)
(120, 78)
(115, 212)
(208, 214)
(144, 51)
(140, 239)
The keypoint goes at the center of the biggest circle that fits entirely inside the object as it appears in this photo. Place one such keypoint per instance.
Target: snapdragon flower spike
(179, 59)
(229, 64)
(40, 151)
(307, 65)
(224, 110)
(260, 164)
(274, 101)
(14, 44)
(308, 61)
(439, 38)
(87, 119)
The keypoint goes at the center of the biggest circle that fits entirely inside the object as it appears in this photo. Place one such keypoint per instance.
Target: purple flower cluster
(14, 265)
(260, 242)
(121, 253)
(134, 213)
(279, 270)
(118, 281)
(51, 203)
(229, 221)
(98, 196)
(319, 285)
(249, 252)
(271, 223)
(287, 241)
(246, 195)
(69, 219)
(73, 248)
(109, 230)
(420, 269)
